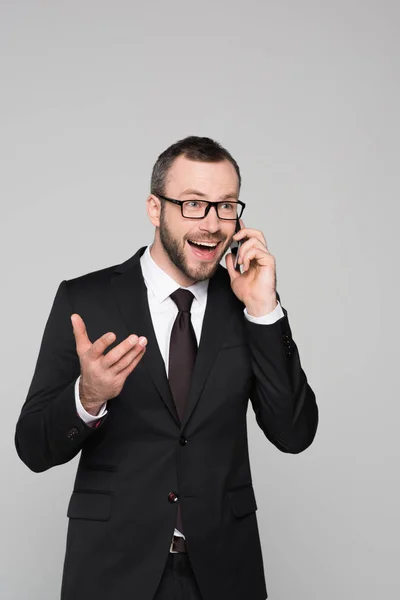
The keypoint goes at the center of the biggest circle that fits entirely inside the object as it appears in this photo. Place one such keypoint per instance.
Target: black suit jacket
(120, 517)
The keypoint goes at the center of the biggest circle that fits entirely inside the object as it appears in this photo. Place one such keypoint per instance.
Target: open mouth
(205, 250)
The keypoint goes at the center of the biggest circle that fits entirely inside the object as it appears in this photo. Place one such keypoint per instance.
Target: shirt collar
(162, 285)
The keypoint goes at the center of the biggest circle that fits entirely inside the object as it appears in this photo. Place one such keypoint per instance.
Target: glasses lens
(194, 208)
(197, 209)
(227, 210)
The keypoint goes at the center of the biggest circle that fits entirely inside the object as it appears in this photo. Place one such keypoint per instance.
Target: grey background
(305, 95)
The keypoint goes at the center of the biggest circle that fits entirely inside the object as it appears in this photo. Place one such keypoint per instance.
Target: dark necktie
(182, 350)
(182, 356)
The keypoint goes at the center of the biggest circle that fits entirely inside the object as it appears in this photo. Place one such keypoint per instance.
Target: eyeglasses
(198, 209)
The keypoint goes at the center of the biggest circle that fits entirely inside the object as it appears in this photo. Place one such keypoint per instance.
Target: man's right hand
(103, 376)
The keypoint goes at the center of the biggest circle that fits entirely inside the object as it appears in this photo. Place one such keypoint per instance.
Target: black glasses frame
(208, 208)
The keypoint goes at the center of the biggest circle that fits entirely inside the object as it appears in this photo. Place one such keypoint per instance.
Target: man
(163, 504)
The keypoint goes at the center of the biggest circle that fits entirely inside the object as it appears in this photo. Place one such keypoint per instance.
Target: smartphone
(235, 248)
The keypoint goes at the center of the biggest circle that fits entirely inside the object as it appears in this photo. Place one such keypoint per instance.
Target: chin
(202, 271)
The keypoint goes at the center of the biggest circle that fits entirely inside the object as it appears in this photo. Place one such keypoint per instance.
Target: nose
(211, 222)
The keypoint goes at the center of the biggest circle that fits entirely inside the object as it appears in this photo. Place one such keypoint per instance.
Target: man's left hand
(256, 286)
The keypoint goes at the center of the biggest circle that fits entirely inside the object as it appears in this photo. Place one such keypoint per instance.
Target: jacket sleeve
(284, 403)
(49, 430)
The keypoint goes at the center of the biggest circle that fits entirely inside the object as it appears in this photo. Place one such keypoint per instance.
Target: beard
(176, 254)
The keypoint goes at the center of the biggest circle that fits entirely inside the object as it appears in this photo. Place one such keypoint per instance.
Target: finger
(229, 261)
(250, 233)
(126, 360)
(263, 258)
(114, 357)
(83, 344)
(101, 344)
(133, 364)
(252, 243)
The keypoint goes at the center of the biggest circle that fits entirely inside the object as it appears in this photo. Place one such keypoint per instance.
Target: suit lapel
(131, 295)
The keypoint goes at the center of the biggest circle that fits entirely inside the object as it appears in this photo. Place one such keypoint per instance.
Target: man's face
(193, 180)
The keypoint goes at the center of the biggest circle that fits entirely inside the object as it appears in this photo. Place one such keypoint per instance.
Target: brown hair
(194, 148)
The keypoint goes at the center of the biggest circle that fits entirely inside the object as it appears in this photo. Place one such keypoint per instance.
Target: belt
(178, 544)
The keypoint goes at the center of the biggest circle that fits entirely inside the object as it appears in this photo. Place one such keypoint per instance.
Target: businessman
(146, 368)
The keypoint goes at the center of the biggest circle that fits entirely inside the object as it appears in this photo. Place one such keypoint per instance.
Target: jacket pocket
(95, 477)
(242, 501)
(91, 505)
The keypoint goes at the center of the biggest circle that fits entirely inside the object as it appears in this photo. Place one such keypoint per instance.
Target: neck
(163, 261)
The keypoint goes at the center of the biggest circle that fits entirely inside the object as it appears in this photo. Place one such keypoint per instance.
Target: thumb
(83, 344)
(230, 268)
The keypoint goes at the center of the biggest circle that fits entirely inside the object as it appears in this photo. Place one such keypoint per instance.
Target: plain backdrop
(305, 95)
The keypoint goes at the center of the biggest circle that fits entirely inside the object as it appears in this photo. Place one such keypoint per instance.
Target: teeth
(204, 244)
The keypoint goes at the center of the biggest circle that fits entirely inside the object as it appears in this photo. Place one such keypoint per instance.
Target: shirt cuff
(268, 319)
(84, 415)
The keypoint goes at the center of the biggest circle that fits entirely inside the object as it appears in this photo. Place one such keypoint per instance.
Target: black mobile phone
(235, 248)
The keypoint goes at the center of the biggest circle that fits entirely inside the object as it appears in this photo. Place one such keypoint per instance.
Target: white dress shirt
(163, 312)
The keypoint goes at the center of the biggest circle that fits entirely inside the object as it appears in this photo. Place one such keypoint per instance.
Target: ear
(153, 206)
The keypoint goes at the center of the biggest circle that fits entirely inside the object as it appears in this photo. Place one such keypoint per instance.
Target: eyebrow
(202, 195)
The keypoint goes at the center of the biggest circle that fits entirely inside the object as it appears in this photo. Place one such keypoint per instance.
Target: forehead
(212, 179)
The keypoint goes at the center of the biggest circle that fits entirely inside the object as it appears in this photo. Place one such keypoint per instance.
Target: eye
(193, 203)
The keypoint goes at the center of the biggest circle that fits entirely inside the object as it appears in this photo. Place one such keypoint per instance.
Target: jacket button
(172, 497)
(72, 433)
(287, 344)
(182, 440)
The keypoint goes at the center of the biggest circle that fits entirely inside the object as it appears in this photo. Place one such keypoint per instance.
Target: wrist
(90, 405)
(261, 309)
(91, 408)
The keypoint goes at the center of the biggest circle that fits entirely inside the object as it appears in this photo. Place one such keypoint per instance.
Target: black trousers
(178, 581)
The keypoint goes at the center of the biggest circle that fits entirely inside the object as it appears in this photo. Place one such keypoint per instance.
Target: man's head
(195, 168)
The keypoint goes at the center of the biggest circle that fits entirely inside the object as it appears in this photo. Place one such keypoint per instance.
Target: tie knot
(183, 299)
